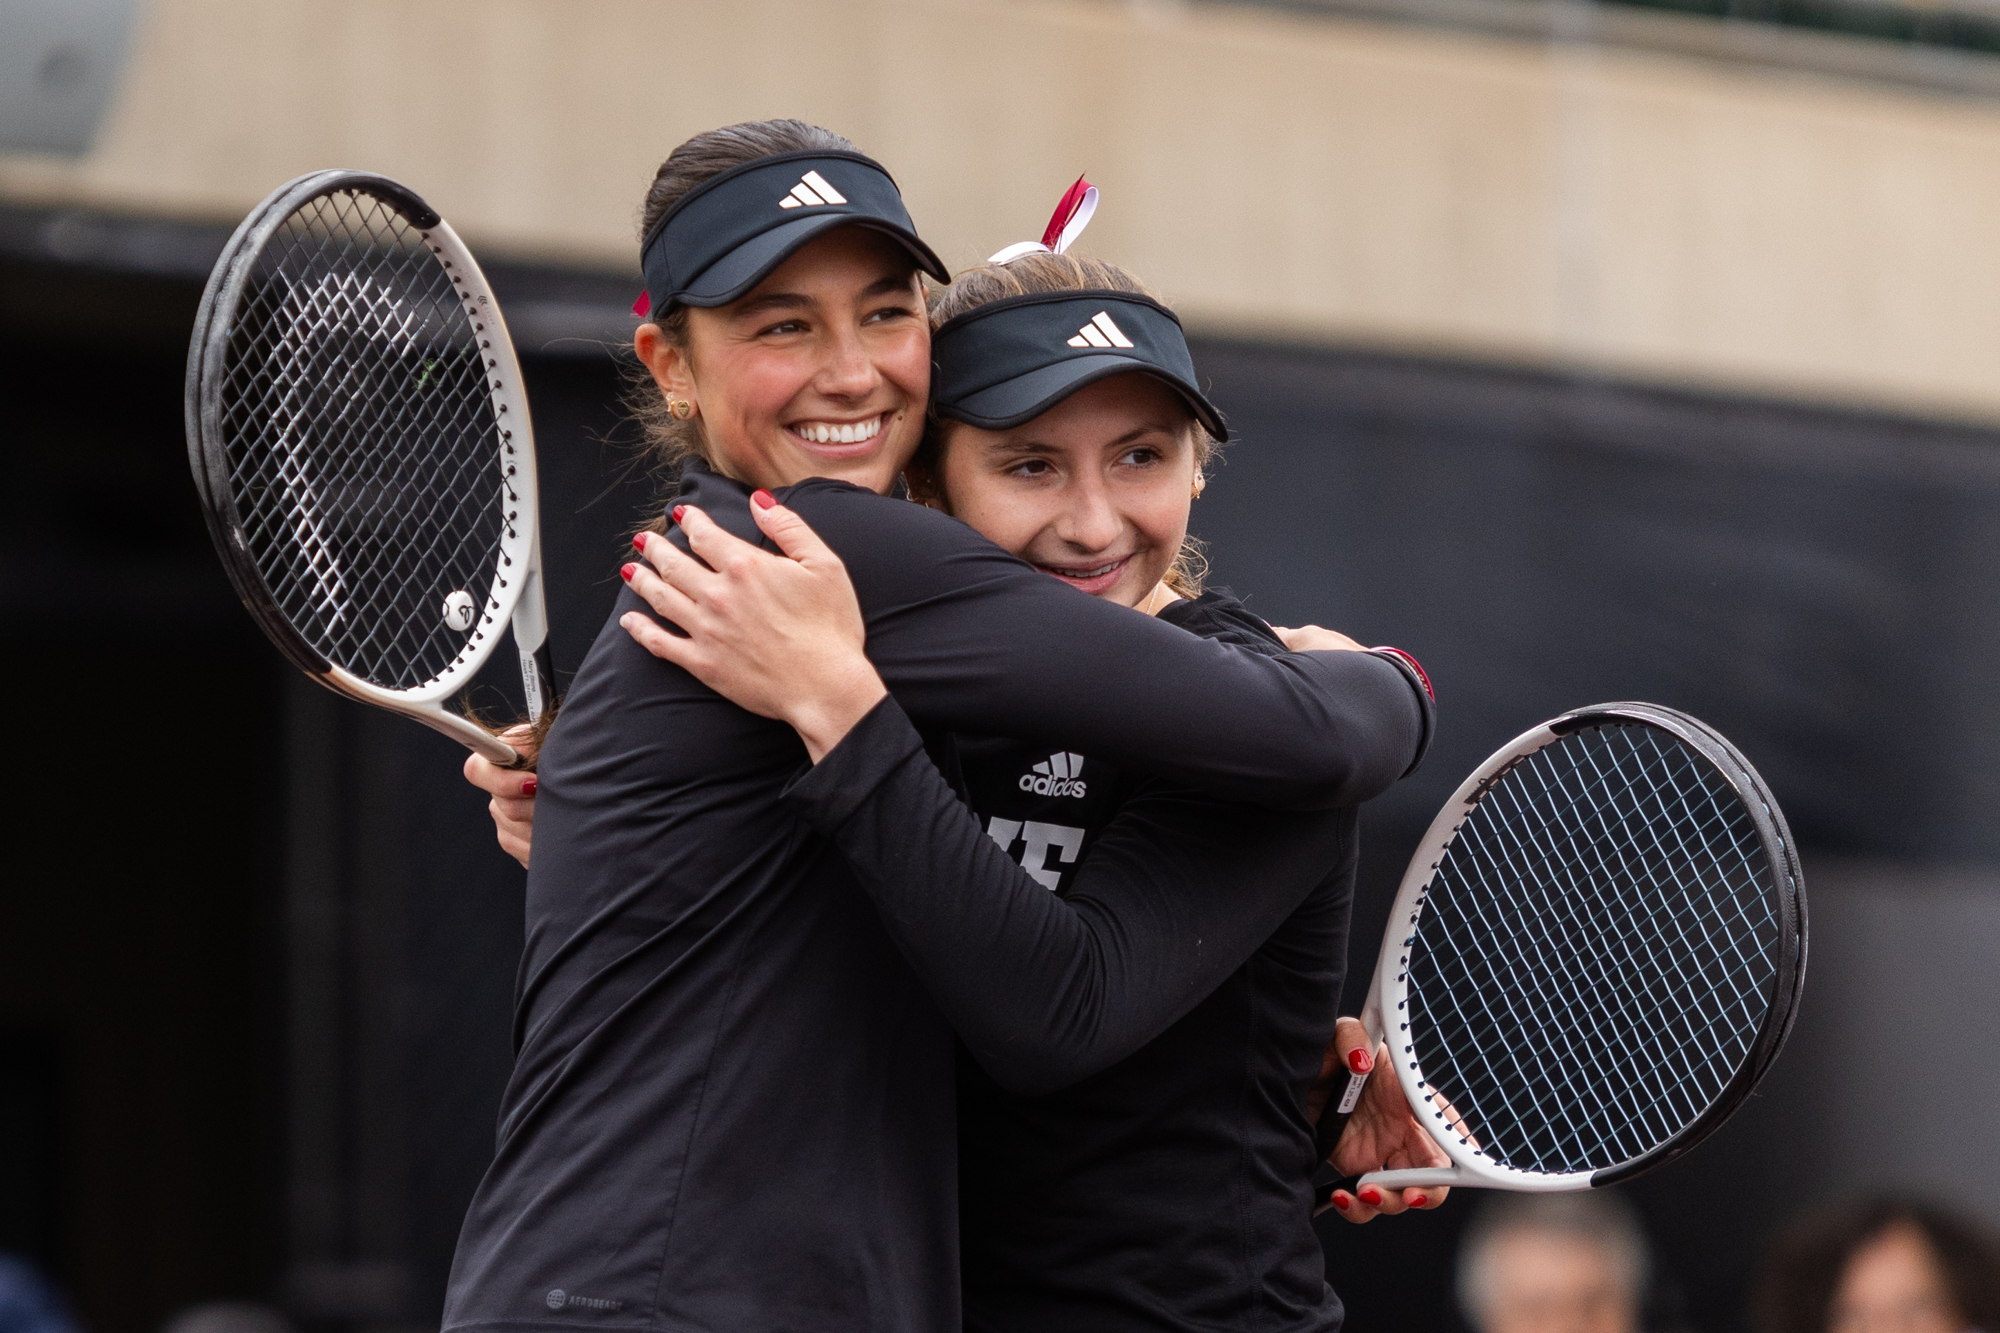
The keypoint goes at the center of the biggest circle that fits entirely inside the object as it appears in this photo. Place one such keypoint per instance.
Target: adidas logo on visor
(813, 189)
(1058, 775)
(1100, 332)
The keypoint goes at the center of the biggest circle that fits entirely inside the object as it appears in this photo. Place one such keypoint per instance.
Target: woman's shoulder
(845, 515)
(1220, 615)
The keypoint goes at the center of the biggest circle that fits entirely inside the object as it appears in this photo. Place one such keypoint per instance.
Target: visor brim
(1025, 397)
(732, 276)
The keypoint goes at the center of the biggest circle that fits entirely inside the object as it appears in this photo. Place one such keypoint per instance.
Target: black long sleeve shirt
(732, 1102)
(1145, 998)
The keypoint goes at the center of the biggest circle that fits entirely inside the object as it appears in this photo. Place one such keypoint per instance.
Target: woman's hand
(513, 793)
(1381, 1135)
(1314, 639)
(778, 635)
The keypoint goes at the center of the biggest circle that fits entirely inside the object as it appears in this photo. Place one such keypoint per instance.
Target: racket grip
(1325, 1182)
(1334, 1118)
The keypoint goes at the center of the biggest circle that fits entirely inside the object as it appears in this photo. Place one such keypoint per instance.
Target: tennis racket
(360, 438)
(1594, 956)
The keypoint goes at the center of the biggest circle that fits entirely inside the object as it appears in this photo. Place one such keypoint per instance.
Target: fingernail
(529, 786)
(678, 511)
(1341, 1201)
(763, 499)
(639, 543)
(1419, 1201)
(1358, 1061)
(627, 571)
(1371, 1196)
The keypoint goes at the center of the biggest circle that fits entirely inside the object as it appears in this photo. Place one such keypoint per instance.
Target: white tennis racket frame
(1388, 991)
(515, 599)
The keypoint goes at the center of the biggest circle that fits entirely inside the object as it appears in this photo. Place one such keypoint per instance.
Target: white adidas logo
(1058, 775)
(811, 190)
(1100, 332)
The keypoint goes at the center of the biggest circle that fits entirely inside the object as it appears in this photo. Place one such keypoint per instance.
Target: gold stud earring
(681, 408)
(1200, 485)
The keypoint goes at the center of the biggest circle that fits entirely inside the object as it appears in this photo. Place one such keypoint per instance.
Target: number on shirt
(1037, 840)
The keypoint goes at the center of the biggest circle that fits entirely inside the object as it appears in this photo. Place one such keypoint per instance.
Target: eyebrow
(1145, 428)
(894, 282)
(771, 302)
(1034, 446)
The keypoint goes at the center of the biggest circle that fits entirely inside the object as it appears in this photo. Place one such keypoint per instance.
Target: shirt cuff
(827, 794)
(1420, 684)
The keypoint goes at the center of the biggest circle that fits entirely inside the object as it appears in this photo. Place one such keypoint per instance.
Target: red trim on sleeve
(1415, 666)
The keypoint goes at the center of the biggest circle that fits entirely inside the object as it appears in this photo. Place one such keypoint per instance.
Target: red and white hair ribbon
(1072, 215)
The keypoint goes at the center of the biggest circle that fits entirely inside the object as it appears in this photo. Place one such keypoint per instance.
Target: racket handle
(537, 682)
(1334, 1118)
(1326, 1137)
(1325, 1182)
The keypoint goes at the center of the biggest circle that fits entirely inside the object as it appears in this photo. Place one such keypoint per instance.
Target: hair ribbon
(1072, 215)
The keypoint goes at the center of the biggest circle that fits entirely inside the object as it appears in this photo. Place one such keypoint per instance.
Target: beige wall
(1274, 172)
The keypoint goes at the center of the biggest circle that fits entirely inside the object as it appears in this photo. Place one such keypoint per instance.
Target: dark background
(257, 951)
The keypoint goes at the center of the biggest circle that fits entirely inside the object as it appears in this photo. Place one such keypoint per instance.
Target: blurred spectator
(229, 1317)
(28, 1303)
(1553, 1263)
(1880, 1266)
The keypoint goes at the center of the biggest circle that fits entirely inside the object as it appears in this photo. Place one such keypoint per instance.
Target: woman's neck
(1160, 596)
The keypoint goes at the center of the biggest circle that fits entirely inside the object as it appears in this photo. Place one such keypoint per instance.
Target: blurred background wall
(1588, 350)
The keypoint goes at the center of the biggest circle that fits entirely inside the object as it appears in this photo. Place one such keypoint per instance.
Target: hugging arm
(970, 639)
(1176, 893)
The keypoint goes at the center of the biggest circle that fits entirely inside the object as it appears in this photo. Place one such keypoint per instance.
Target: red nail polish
(627, 571)
(678, 511)
(1419, 1201)
(1371, 1196)
(1358, 1061)
(639, 543)
(763, 499)
(529, 786)
(1341, 1201)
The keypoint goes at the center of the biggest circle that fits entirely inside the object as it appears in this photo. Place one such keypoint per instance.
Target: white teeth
(848, 432)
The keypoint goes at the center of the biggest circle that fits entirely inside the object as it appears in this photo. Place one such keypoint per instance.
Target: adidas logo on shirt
(1058, 775)
(1100, 332)
(812, 190)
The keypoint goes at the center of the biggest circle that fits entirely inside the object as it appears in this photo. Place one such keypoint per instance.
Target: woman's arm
(1175, 895)
(970, 639)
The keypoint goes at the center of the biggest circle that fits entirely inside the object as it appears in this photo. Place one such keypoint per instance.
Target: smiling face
(822, 370)
(1094, 491)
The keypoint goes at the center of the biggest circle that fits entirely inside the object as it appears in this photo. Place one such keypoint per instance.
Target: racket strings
(1621, 1017)
(369, 470)
(1595, 953)
(1618, 1022)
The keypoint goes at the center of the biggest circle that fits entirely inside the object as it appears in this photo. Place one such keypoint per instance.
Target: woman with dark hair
(1880, 1265)
(1136, 1146)
(732, 1102)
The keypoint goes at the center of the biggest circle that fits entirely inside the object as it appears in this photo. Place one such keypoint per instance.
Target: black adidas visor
(728, 233)
(1012, 360)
